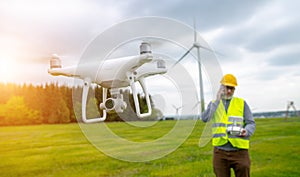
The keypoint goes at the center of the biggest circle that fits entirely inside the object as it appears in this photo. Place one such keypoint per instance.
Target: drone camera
(109, 104)
(114, 105)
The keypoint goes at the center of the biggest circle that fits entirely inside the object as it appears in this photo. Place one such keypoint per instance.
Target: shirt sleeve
(208, 113)
(250, 125)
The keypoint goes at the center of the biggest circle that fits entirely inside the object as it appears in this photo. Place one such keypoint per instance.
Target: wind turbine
(177, 110)
(289, 105)
(197, 45)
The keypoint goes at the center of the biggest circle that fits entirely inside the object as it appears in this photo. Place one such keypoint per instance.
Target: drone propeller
(154, 41)
(44, 58)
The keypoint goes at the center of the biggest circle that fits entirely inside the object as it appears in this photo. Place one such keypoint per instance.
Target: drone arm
(68, 71)
(87, 83)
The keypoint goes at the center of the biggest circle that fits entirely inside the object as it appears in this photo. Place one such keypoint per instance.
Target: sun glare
(6, 70)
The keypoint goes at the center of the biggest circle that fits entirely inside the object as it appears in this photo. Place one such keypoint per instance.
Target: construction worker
(232, 126)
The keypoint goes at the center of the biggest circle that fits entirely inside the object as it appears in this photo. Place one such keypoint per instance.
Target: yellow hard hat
(229, 80)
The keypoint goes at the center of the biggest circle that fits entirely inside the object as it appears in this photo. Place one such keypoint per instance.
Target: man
(232, 126)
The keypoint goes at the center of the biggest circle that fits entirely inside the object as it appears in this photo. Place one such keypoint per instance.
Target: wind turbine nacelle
(114, 105)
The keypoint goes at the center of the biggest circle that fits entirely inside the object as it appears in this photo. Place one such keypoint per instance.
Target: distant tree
(51, 103)
(56, 109)
(2, 114)
(67, 97)
(15, 112)
(6, 90)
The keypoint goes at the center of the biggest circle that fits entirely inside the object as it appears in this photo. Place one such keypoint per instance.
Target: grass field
(63, 150)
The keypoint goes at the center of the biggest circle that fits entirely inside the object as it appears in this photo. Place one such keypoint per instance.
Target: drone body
(114, 74)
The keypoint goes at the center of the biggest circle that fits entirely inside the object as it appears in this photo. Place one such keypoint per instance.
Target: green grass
(63, 150)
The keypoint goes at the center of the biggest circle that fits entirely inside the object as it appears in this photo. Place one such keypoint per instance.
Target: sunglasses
(230, 88)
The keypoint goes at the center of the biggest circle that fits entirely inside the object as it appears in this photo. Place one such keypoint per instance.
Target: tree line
(51, 103)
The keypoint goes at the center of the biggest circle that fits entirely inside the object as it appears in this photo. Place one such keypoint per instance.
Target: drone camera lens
(109, 104)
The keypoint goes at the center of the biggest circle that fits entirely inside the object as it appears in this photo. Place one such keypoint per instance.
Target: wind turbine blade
(195, 32)
(196, 105)
(181, 58)
(206, 48)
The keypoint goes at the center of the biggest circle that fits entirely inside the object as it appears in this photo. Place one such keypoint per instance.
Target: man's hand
(243, 133)
(220, 93)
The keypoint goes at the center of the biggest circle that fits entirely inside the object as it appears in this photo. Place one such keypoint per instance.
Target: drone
(114, 75)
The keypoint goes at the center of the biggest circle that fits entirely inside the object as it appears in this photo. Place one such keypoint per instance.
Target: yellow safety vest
(221, 121)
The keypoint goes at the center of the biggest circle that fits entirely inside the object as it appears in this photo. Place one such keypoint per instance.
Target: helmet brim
(228, 84)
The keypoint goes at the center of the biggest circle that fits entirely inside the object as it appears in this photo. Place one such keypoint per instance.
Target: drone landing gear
(131, 78)
(116, 102)
(87, 83)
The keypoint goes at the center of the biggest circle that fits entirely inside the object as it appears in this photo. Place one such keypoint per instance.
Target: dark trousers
(238, 160)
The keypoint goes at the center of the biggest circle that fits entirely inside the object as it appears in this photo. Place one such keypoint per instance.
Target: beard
(227, 97)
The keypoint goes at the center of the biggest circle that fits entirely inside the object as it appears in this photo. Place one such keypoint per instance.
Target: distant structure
(290, 104)
(177, 109)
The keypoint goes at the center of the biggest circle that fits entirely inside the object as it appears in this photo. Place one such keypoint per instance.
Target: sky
(258, 39)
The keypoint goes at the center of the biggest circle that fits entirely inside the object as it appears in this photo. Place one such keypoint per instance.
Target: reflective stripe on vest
(221, 121)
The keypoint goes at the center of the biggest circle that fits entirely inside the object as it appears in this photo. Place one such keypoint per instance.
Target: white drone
(114, 74)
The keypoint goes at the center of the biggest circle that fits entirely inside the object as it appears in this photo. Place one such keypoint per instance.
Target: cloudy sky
(258, 39)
